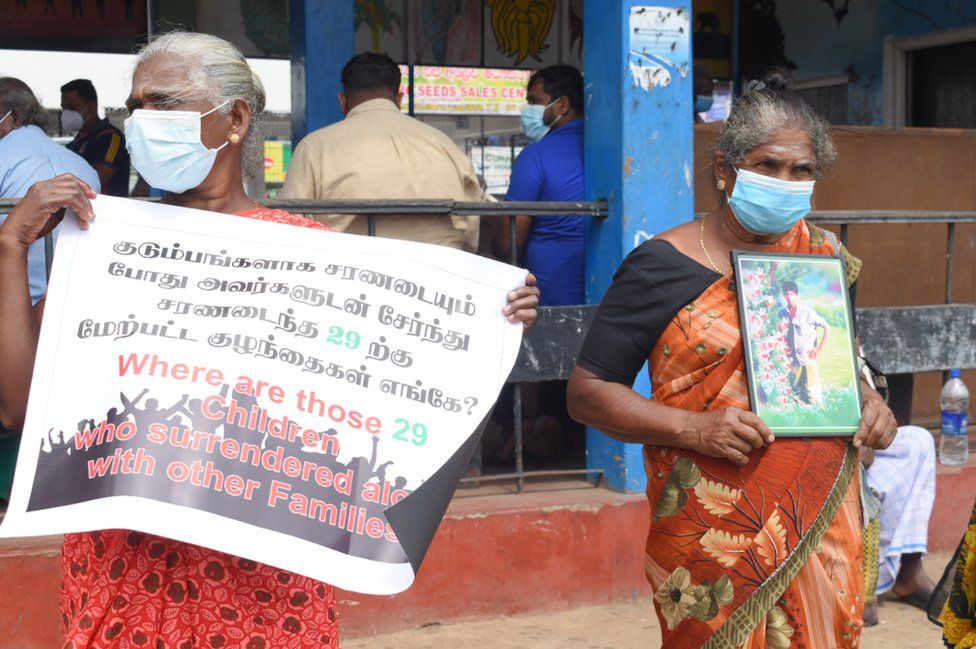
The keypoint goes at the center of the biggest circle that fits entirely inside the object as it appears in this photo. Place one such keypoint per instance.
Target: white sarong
(903, 476)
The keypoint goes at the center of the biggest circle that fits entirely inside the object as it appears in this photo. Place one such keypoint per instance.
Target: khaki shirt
(379, 153)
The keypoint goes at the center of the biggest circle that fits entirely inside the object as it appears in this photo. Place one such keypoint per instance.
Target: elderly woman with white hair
(194, 100)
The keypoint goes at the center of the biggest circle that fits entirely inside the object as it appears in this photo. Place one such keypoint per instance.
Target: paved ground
(626, 626)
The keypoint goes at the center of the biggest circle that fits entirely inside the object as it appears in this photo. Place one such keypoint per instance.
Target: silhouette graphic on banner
(217, 453)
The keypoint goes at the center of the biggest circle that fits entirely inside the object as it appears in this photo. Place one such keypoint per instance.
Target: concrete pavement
(631, 625)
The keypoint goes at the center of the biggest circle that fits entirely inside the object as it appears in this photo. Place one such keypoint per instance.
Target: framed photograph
(798, 338)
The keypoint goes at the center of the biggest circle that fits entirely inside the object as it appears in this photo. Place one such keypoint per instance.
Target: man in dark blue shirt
(551, 169)
(551, 247)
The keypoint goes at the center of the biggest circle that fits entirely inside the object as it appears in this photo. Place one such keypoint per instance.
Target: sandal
(919, 599)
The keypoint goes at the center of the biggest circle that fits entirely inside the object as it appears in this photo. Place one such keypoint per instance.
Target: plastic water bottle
(954, 444)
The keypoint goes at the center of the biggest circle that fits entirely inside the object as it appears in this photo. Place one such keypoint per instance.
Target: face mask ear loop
(558, 117)
(728, 201)
(215, 108)
(202, 115)
(6, 116)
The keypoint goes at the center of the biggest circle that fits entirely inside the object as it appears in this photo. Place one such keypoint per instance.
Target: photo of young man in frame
(799, 343)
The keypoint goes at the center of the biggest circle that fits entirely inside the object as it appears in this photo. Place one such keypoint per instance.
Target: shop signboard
(468, 91)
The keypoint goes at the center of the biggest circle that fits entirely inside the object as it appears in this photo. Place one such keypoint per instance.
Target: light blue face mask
(166, 149)
(767, 205)
(533, 120)
(703, 103)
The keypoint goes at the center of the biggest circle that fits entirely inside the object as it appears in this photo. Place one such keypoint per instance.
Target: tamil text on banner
(298, 397)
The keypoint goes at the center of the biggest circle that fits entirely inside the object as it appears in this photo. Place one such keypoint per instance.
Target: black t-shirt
(652, 284)
(105, 145)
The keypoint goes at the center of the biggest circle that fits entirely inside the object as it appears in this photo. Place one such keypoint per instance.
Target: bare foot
(871, 614)
(911, 577)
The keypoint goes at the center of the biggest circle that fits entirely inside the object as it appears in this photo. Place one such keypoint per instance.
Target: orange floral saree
(764, 555)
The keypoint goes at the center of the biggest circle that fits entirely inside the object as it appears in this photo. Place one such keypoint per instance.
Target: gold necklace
(701, 240)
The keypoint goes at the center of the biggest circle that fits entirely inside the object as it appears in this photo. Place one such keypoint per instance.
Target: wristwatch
(875, 378)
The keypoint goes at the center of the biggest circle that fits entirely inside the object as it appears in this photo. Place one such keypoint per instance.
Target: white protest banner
(297, 397)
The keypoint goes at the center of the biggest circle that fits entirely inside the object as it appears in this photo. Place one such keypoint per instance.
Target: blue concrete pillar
(322, 40)
(639, 143)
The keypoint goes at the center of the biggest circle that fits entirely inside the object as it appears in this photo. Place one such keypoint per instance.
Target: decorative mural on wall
(576, 27)
(446, 31)
(379, 17)
(266, 25)
(370, 35)
(486, 33)
(524, 34)
(521, 27)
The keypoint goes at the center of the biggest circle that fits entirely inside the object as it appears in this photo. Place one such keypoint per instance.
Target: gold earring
(720, 185)
(235, 138)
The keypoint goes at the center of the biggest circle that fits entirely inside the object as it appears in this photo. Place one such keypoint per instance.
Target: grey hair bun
(778, 80)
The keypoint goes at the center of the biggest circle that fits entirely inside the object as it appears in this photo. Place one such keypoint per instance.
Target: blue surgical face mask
(166, 149)
(767, 205)
(533, 120)
(703, 103)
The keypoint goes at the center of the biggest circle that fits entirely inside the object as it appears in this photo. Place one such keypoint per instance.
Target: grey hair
(767, 108)
(217, 73)
(17, 98)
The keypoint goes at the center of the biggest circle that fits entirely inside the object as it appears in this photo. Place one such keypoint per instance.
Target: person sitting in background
(902, 477)
(97, 141)
(28, 155)
(377, 152)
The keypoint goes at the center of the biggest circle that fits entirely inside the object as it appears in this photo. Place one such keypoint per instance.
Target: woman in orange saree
(754, 542)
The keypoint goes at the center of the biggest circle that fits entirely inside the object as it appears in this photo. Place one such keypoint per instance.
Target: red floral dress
(131, 590)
